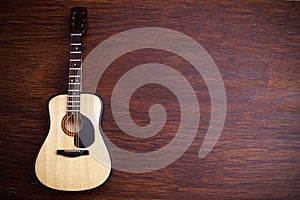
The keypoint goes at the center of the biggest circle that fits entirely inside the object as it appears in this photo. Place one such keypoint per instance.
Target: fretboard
(74, 88)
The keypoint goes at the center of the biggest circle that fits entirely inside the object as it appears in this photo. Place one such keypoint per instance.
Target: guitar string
(75, 96)
(76, 120)
(79, 91)
(76, 111)
(74, 101)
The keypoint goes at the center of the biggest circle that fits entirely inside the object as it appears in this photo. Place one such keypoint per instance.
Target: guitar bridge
(72, 152)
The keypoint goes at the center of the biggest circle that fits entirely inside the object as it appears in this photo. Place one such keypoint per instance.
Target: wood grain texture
(255, 45)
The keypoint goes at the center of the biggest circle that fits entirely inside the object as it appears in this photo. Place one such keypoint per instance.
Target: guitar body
(78, 172)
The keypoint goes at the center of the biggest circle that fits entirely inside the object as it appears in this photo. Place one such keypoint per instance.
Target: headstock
(78, 20)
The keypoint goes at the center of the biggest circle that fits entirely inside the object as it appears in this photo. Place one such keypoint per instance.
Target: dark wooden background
(255, 45)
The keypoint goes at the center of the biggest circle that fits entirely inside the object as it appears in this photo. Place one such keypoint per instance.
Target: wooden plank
(255, 45)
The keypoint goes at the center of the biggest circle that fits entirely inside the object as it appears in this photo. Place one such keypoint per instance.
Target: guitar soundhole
(72, 124)
(79, 127)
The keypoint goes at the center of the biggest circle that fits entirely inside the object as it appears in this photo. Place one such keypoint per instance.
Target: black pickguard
(86, 134)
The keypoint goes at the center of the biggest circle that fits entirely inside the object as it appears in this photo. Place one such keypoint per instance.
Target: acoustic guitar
(74, 156)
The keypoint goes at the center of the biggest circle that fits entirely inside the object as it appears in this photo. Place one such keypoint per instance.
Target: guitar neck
(75, 69)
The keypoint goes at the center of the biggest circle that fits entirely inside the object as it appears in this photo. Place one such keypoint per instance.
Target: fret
(75, 44)
(73, 106)
(73, 83)
(76, 68)
(72, 60)
(75, 34)
(74, 96)
(73, 101)
(77, 110)
(71, 94)
(73, 90)
(75, 78)
(75, 52)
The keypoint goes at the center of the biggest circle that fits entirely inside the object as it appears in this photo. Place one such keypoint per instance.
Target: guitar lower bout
(64, 165)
